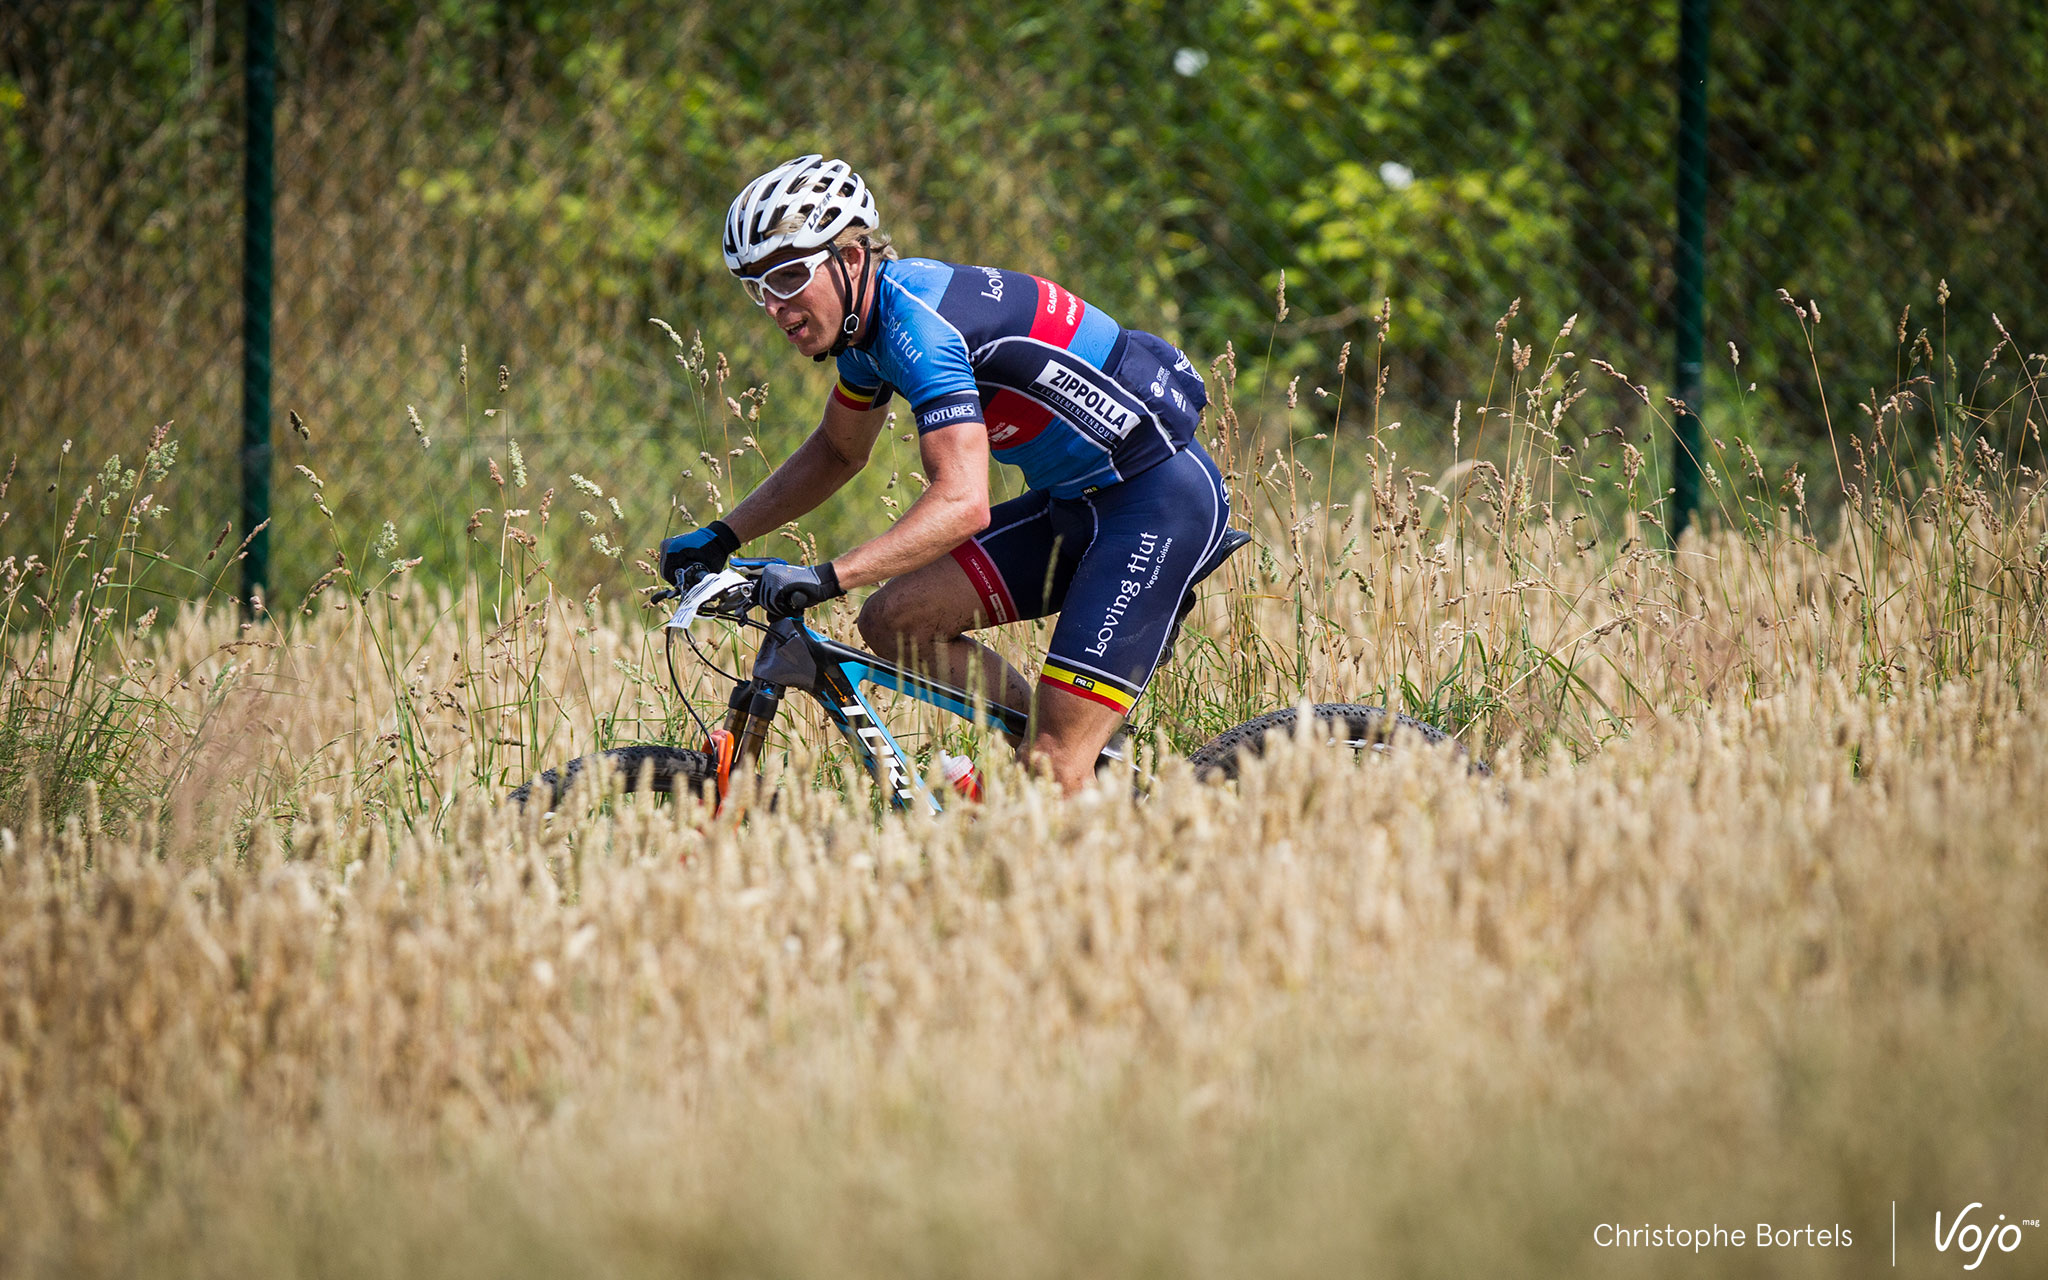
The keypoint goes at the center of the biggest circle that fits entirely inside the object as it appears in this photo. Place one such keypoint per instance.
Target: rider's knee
(1068, 732)
(874, 620)
(882, 623)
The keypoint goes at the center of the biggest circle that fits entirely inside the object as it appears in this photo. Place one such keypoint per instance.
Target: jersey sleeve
(925, 356)
(859, 388)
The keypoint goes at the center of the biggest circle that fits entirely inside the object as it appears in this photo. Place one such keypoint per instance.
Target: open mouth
(795, 331)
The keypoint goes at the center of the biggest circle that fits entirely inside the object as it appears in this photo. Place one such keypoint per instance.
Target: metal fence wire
(479, 206)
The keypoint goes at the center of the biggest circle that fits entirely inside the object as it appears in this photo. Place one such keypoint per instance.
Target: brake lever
(709, 590)
(734, 604)
(675, 590)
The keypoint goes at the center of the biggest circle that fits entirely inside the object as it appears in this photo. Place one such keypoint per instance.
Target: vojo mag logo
(1973, 1239)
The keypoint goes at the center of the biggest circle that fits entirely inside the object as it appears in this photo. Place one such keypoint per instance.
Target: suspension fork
(749, 712)
(738, 744)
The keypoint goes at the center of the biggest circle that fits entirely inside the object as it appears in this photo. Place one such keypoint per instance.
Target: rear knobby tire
(1360, 727)
(661, 769)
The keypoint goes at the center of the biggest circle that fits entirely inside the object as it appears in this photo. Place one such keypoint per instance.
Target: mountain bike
(793, 658)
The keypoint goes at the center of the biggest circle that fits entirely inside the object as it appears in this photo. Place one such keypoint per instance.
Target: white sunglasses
(785, 280)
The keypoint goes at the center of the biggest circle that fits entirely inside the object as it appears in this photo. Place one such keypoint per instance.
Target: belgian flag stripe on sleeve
(854, 397)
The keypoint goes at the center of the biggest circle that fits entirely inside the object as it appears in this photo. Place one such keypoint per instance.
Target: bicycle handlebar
(691, 575)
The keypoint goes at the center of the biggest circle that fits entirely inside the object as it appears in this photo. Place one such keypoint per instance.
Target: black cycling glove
(709, 546)
(789, 589)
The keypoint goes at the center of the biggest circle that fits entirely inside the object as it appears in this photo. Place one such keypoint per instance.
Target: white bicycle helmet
(802, 203)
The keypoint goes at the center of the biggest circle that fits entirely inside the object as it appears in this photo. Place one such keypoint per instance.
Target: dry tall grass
(1780, 960)
(1748, 928)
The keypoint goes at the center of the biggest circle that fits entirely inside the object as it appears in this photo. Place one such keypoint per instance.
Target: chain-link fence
(480, 205)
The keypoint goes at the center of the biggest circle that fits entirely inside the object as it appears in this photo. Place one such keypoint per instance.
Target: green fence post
(1689, 304)
(258, 183)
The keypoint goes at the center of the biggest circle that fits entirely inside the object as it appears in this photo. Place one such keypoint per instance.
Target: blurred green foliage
(533, 179)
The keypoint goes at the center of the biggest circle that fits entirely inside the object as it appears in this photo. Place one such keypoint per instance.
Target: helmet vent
(827, 197)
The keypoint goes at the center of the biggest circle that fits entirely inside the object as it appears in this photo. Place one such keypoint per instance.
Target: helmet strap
(850, 325)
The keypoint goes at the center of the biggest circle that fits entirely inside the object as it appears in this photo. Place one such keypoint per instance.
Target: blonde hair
(873, 239)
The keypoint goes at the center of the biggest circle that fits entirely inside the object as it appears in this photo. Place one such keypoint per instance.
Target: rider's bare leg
(1068, 736)
(920, 620)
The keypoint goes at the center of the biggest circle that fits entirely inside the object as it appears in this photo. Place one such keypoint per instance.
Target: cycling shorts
(1114, 564)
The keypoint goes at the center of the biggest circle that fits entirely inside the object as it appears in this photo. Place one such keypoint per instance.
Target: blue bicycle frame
(794, 657)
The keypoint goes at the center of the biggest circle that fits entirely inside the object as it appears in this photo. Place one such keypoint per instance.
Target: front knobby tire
(662, 770)
(1356, 726)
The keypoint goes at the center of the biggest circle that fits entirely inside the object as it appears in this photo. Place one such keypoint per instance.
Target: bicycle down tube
(792, 656)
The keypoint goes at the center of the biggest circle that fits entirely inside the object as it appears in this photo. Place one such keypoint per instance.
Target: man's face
(811, 318)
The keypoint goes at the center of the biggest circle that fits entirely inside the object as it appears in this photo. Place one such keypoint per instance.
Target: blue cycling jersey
(1069, 396)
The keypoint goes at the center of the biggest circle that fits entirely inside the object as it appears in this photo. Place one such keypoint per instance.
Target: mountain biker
(1123, 505)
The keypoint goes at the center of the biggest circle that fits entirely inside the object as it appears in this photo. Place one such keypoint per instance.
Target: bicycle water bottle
(961, 775)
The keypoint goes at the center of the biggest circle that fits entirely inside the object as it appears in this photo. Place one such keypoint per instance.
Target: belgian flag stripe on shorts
(1088, 685)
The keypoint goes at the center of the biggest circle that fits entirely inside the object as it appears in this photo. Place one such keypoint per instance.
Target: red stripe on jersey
(1013, 419)
(987, 580)
(1058, 314)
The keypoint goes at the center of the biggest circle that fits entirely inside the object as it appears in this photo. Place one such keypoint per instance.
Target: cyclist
(1123, 505)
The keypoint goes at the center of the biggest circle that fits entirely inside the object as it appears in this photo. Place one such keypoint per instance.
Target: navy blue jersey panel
(1069, 396)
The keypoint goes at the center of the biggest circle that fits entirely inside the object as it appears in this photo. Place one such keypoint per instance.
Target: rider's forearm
(813, 473)
(942, 518)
